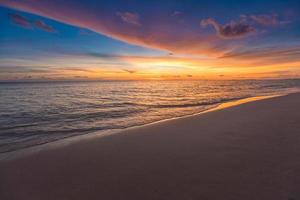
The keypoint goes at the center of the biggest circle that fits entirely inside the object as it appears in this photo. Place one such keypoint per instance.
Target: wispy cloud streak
(42, 25)
(20, 20)
(265, 19)
(130, 18)
(26, 23)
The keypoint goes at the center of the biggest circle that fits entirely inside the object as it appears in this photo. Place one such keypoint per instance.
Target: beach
(243, 152)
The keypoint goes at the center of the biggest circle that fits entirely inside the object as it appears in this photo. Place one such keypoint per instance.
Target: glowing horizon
(137, 40)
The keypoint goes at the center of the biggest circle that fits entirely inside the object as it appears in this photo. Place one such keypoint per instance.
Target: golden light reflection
(164, 67)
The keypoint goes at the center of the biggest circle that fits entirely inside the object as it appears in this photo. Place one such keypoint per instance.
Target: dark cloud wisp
(129, 71)
(42, 25)
(20, 20)
(231, 30)
(26, 23)
(242, 27)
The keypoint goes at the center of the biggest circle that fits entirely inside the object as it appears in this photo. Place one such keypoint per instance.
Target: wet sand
(246, 152)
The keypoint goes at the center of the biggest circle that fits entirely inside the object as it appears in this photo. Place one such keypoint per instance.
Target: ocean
(41, 112)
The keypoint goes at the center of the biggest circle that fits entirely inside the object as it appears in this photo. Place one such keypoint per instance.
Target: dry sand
(246, 152)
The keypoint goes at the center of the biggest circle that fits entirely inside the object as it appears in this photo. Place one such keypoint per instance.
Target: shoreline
(104, 133)
(249, 151)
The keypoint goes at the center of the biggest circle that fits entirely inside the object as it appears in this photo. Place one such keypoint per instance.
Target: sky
(152, 40)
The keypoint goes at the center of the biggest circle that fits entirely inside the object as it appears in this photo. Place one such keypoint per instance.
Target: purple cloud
(41, 25)
(231, 30)
(265, 19)
(245, 25)
(20, 20)
(130, 18)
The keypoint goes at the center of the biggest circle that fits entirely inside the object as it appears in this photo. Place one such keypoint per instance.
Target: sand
(246, 152)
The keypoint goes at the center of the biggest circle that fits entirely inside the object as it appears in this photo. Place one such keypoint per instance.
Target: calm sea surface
(35, 113)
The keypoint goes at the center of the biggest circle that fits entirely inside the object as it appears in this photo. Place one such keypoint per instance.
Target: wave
(35, 117)
(186, 105)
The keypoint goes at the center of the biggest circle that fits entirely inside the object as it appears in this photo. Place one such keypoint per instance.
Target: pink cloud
(158, 34)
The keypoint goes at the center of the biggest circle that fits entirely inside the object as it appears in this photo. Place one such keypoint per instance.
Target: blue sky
(148, 39)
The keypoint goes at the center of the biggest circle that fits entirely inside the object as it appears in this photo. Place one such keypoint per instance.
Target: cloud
(23, 69)
(130, 18)
(129, 71)
(42, 25)
(158, 30)
(81, 77)
(266, 55)
(24, 22)
(231, 30)
(75, 69)
(160, 33)
(262, 19)
(20, 20)
(176, 13)
(243, 27)
(265, 19)
(27, 77)
(272, 51)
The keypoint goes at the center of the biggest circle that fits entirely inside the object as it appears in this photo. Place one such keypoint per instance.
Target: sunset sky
(192, 39)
